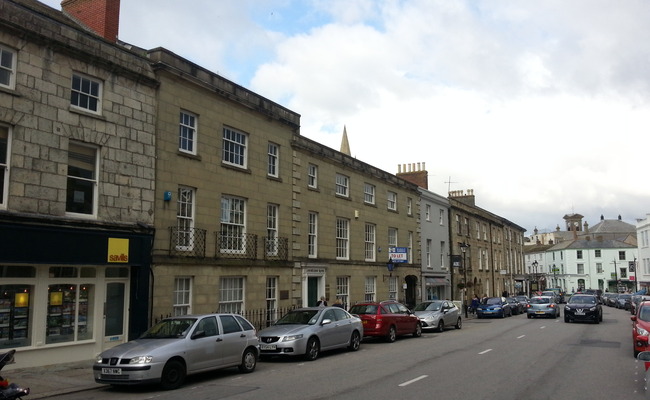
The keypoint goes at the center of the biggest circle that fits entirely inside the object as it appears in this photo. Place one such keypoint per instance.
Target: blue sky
(540, 107)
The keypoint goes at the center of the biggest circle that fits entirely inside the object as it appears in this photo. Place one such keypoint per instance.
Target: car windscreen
(644, 313)
(582, 300)
(361, 309)
(169, 328)
(540, 300)
(433, 306)
(492, 300)
(300, 317)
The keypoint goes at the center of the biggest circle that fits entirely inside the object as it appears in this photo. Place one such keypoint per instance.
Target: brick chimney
(100, 16)
(415, 174)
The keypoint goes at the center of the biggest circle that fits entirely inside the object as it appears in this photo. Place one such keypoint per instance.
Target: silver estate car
(308, 331)
(180, 346)
(543, 306)
(438, 314)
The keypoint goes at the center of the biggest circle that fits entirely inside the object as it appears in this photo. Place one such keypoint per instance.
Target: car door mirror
(198, 334)
(326, 321)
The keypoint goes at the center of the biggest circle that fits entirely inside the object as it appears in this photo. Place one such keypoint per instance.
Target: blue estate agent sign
(398, 254)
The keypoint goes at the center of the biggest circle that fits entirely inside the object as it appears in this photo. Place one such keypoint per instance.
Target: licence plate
(268, 346)
(579, 313)
(540, 312)
(364, 322)
(112, 371)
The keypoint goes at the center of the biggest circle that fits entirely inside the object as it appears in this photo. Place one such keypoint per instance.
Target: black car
(583, 307)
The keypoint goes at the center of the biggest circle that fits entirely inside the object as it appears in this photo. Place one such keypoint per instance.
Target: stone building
(487, 249)
(77, 147)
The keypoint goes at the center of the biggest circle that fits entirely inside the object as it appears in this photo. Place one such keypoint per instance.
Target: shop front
(70, 289)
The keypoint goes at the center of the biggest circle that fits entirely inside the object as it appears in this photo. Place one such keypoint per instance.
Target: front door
(114, 314)
(312, 291)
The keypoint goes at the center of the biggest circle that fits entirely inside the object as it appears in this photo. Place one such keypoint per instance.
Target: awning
(436, 281)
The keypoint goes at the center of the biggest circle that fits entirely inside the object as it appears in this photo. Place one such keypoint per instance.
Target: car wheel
(566, 319)
(248, 361)
(441, 326)
(313, 348)
(418, 330)
(636, 352)
(597, 320)
(355, 341)
(529, 316)
(503, 314)
(392, 334)
(173, 375)
(459, 323)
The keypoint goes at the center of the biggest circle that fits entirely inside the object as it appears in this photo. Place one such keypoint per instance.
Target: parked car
(636, 299)
(583, 307)
(611, 299)
(388, 319)
(176, 347)
(308, 331)
(494, 307)
(623, 301)
(555, 295)
(523, 300)
(641, 328)
(543, 306)
(438, 314)
(516, 307)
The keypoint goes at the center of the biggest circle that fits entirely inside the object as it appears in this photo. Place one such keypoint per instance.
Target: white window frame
(5, 162)
(182, 295)
(342, 239)
(391, 198)
(370, 288)
(370, 242)
(84, 96)
(442, 217)
(392, 237)
(409, 206)
(312, 234)
(343, 289)
(231, 294)
(185, 217)
(233, 225)
(187, 132)
(271, 299)
(427, 252)
(369, 193)
(274, 160)
(427, 212)
(312, 176)
(93, 181)
(8, 66)
(392, 287)
(272, 211)
(235, 148)
(342, 185)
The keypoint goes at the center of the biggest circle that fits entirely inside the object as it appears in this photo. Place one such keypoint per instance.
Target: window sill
(189, 155)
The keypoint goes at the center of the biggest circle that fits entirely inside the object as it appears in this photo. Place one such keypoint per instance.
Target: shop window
(14, 271)
(116, 272)
(15, 315)
(69, 312)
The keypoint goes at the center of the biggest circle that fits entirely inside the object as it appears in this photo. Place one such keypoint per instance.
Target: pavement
(53, 380)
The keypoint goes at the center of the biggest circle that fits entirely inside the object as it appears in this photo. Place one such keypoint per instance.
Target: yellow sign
(22, 299)
(56, 298)
(118, 250)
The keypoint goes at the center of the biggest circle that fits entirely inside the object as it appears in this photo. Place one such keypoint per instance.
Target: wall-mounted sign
(118, 250)
(398, 254)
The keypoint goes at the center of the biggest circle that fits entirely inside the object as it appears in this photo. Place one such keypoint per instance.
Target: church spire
(345, 145)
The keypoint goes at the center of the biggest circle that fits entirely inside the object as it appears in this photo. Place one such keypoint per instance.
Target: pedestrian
(338, 303)
(474, 304)
(322, 302)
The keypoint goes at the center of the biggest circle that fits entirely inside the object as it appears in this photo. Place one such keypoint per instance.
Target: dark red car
(387, 319)
(641, 328)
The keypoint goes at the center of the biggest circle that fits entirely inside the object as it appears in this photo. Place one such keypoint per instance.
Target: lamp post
(534, 265)
(463, 248)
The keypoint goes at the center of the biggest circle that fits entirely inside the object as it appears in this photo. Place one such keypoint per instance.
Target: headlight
(141, 360)
(291, 337)
(641, 331)
(567, 308)
(592, 309)
(497, 308)
(99, 359)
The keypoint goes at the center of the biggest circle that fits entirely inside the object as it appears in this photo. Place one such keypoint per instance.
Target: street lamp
(463, 248)
(535, 278)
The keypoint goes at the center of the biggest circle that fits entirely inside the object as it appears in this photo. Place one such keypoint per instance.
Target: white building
(643, 265)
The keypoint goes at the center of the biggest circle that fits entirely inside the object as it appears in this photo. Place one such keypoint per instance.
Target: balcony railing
(187, 242)
(276, 248)
(236, 246)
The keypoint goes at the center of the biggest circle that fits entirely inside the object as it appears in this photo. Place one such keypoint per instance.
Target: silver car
(308, 331)
(180, 346)
(438, 314)
(543, 306)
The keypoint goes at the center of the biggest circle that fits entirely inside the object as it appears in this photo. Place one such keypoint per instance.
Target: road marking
(485, 351)
(413, 380)
(542, 327)
(519, 337)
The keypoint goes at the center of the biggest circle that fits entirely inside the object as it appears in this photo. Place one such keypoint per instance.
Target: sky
(542, 108)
